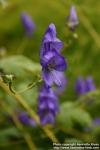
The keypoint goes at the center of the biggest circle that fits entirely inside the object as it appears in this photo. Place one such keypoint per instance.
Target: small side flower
(26, 120)
(72, 19)
(28, 24)
(83, 86)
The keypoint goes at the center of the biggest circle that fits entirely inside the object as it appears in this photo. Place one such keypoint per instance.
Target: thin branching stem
(18, 124)
(23, 103)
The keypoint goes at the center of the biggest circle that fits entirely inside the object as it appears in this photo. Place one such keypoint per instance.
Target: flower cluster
(53, 67)
(48, 105)
(53, 64)
(83, 86)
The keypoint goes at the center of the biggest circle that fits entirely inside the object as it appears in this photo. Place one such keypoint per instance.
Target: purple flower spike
(53, 65)
(47, 106)
(89, 84)
(50, 41)
(96, 121)
(72, 19)
(80, 86)
(24, 119)
(28, 24)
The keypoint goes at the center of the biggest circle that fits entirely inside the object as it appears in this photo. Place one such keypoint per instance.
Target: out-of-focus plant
(34, 90)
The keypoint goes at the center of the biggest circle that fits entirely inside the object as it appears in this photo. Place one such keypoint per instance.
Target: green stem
(77, 134)
(22, 45)
(26, 135)
(23, 103)
(24, 90)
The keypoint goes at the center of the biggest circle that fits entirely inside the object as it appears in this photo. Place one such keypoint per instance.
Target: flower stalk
(23, 103)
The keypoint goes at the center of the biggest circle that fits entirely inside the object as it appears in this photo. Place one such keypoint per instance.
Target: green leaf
(19, 65)
(6, 133)
(92, 95)
(70, 115)
(30, 95)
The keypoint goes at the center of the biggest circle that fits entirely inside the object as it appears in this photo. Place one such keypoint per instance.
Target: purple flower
(26, 120)
(89, 84)
(83, 86)
(72, 19)
(96, 121)
(80, 86)
(53, 65)
(50, 41)
(48, 106)
(28, 24)
(60, 89)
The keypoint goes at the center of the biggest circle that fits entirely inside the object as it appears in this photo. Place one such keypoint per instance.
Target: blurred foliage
(22, 60)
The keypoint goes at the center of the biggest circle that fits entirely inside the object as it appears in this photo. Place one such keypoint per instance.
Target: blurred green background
(83, 57)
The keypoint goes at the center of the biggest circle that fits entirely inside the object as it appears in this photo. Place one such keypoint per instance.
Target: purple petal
(32, 122)
(80, 86)
(28, 24)
(89, 84)
(48, 78)
(54, 59)
(46, 58)
(57, 45)
(61, 88)
(57, 77)
(73, 15)
(49, 45)
(23, 117)
(50, 41)
(96, 121)
(50, 33)
(48, 119)
(72, 18)
(59, 62)
(52, 77)
(43, 93)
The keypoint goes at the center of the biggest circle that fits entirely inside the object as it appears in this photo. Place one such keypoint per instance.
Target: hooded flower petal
(50, 41)
(50, 33)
